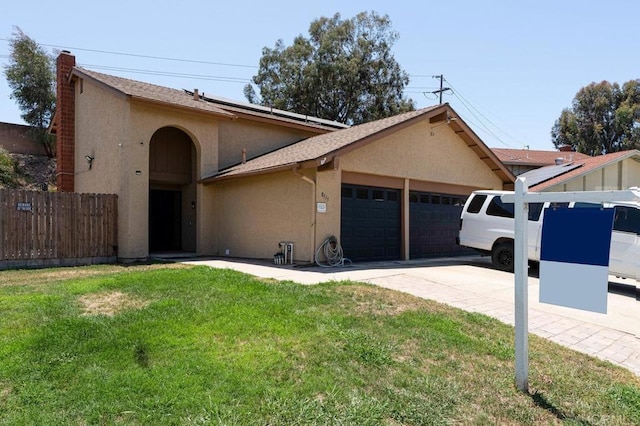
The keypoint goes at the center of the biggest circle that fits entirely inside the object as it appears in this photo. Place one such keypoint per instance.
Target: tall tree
(603, 118)
(31, 77)
(344, 71)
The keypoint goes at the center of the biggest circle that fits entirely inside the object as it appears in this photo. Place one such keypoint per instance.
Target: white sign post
(521, 275)
(522, 198)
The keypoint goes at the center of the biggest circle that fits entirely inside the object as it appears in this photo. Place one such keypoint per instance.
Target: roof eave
(79, 73)
(222, 176)
(173, 105)
(309, 127)
(485, 154)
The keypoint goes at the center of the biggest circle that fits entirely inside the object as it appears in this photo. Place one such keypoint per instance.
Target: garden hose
(332, 251)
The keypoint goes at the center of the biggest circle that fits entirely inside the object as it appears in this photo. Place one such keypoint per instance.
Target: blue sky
(513, 65)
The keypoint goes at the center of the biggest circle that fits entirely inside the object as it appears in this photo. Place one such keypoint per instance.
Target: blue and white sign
(574, 257)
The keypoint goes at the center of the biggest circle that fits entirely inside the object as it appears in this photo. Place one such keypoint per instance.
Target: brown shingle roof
(152, 92)
(324, 147)
(318, 146)
(586, 166)
(215, 105)
(532, 157)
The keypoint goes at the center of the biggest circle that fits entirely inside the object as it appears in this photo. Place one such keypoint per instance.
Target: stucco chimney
(66, 117)
(196, 96)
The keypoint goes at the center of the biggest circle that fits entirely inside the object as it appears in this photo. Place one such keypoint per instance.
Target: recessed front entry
(172, 191)
(165, 220)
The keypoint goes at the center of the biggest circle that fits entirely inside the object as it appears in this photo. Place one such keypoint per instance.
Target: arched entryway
(172, 191)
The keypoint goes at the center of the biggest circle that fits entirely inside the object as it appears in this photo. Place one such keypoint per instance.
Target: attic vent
(559, 161)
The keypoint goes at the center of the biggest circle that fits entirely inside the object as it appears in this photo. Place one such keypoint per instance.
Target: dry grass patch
(110, 303)
(4, 393)
(369, 299)
(36, 277)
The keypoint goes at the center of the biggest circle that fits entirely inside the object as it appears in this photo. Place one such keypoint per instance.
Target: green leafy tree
(603, 118)
(31, 77)
(344, 71)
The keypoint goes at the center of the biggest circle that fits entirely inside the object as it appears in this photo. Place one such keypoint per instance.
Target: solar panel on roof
(543, 174)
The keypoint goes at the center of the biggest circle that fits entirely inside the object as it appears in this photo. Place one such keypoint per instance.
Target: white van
(487, 225)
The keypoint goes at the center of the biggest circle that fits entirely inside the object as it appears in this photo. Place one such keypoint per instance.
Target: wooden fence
(57, 228)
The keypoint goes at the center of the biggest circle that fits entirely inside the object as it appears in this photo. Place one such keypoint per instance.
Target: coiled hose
(332, 251)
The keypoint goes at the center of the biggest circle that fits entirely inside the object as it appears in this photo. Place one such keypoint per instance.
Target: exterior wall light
(89, 159)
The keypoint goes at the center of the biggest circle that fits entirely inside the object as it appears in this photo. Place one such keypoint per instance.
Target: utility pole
(442, 89)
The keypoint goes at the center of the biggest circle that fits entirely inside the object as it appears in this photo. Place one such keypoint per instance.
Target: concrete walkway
(471, 284)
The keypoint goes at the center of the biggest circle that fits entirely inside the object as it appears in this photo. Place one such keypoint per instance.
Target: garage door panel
(434, 220)
(370, 223)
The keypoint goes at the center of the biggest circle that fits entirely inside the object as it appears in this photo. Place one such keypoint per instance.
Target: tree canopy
(603, 118)
(344, 71)
(31, 78)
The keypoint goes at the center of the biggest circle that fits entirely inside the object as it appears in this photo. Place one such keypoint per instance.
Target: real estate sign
(574, 257)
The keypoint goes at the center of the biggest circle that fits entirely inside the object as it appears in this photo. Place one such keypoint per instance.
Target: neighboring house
(216, 177)
(615, 171)
(15, 139)
(523, 160)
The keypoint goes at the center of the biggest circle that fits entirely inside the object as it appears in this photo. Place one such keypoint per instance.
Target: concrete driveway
(470, 283)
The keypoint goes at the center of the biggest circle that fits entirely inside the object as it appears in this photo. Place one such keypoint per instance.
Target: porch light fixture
(89, 160)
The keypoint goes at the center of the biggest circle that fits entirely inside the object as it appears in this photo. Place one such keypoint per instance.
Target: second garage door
(434, 220)
(370, 223)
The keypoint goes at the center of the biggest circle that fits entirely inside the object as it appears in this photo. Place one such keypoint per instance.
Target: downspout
(313, 209)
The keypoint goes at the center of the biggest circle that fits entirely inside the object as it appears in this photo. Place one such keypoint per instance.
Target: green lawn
(169, 344)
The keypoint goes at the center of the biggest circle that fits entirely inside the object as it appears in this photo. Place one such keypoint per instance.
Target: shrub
(8, 172)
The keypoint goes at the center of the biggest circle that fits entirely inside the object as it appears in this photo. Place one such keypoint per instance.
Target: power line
(136, 55)
(464, 103)
(486, 118)
(170, 74)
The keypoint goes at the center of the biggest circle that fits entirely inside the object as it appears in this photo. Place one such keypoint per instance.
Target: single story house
(520, 161)
(216, 177)
(609, 172)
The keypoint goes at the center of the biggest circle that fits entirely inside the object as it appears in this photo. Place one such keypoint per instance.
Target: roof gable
(583, 167)
(322, 149)
(152, 93)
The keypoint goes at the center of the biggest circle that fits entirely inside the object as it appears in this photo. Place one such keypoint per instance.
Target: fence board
(54, 225)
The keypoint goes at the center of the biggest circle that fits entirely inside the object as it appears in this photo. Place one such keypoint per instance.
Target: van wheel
(502, 256)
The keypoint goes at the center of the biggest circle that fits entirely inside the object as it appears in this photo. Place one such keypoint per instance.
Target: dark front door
(165, 220)
(370, 223)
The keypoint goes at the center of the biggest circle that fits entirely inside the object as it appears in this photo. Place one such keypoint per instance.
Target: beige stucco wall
(253, 214)
(117, 131)
(257, 138)
(97, 109)
(424, 152)
(328, 186)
